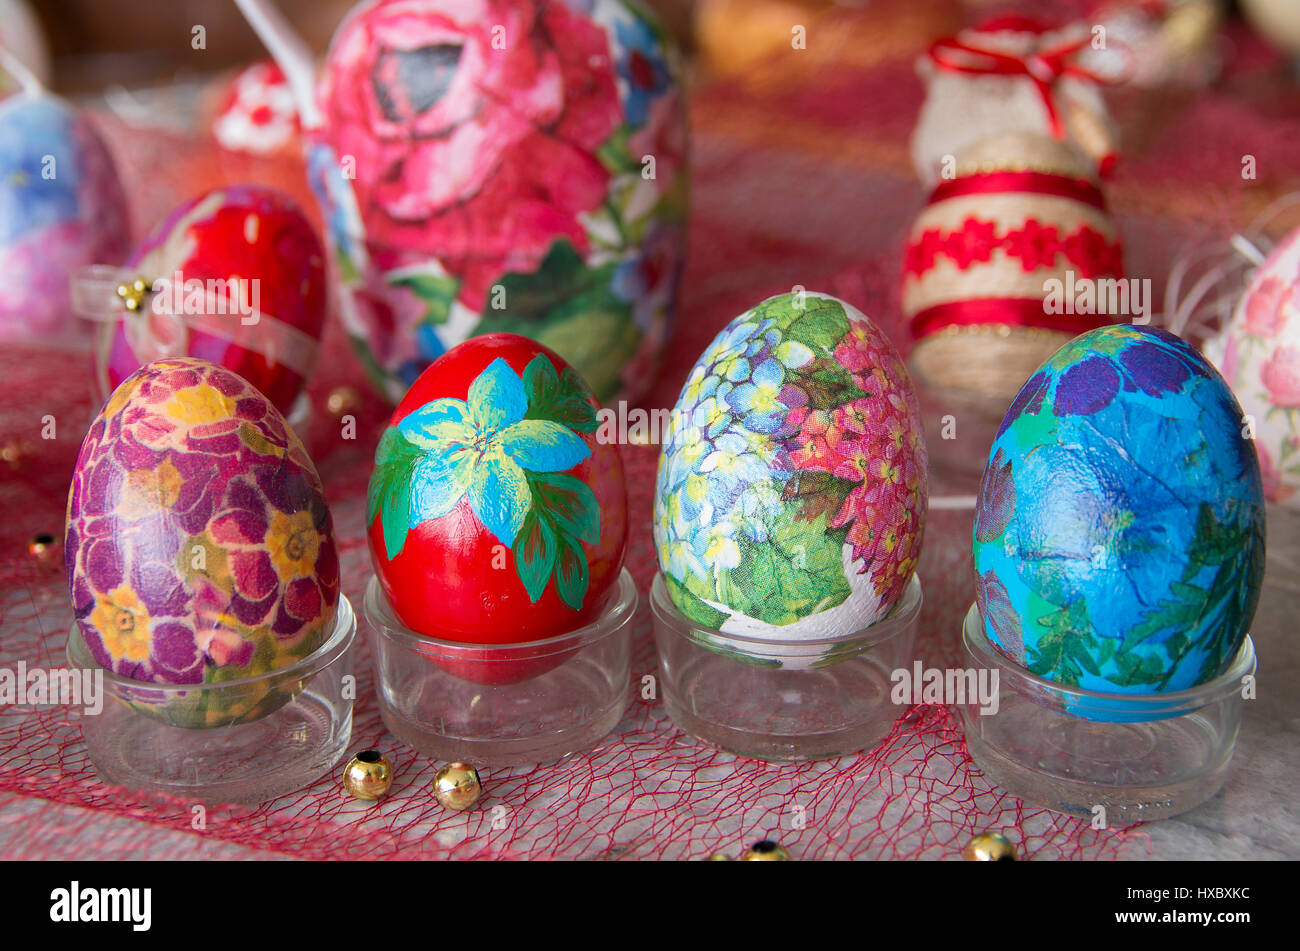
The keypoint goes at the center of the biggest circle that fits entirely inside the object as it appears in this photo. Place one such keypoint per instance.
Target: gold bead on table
(719, 857)
(989, 847)
(42, 546)
(368, 775)
(457, 786)
(766, 851)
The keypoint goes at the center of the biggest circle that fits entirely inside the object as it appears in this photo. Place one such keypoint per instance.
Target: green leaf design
(571, 573)
(828, 384)
(437, 292)
(1225, 605)
(820, 325)
(568, 502)
(798, 571)
(389, 492)
(692, 603)
(1052, 656)
(561, 398)
(535, 555)
(571, 309)
(615, 154)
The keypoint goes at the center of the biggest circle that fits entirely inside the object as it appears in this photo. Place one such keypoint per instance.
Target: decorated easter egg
(1006, 263)
(496, 516)
(1119, 531)
(1010, 75)
(256, 112)
(791, 494)
(199, 547)
(235, 276)
(61, 208)
(511, 166)
(1258, 353)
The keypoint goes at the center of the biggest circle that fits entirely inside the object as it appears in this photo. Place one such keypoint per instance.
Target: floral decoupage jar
(501, 166)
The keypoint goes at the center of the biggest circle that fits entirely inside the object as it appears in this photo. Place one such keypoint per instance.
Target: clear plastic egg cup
(784, 700)
(239, 741)
(1139, 757)
(503, 704)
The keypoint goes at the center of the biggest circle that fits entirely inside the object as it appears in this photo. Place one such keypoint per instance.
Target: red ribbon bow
(1044, 67)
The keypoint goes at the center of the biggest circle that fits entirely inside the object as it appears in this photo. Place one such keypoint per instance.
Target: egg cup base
(1140, 757)
(784, 701)
(503, 704)
(290, 726)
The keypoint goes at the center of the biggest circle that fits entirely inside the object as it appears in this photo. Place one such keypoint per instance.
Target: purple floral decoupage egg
(199, 547)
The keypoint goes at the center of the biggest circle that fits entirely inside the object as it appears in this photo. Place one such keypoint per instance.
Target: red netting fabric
(798, 180)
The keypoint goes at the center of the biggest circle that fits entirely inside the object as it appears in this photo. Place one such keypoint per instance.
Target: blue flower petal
(541, 445)
(435, 488)
(499, 496)
(438, 424)
(496, 397)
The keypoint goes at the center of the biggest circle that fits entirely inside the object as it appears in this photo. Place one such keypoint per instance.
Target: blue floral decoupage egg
(791, 492)
(1119, 532)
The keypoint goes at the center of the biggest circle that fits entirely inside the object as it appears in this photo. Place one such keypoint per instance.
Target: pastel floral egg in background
(504, 166)
(496, 516)
(61, 208)
(791, 494)
(1119, 530)
(245, 288)
(1258, 353)
(199, 546)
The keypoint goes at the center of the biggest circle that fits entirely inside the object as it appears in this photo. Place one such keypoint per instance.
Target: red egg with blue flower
(495, 514)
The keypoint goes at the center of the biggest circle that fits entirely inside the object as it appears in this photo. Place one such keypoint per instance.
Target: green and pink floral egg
(199, 547)
(791, 494)
(1119, 530)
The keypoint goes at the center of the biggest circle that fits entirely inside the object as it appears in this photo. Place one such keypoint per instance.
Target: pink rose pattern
(461, 141)
(1259, 355)
(199, 545)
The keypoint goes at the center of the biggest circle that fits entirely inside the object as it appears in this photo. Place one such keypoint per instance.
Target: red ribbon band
(1031, 183)
(1004, 311)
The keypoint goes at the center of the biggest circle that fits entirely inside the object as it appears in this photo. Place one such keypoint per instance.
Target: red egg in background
(495, 515)
(235, 276)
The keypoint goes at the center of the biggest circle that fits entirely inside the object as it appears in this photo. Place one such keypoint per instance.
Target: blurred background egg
(198, 545)
(61, 208)
(1258, 353)
(261, 271)
(1119, 531)
(496, 514)
(791, 495)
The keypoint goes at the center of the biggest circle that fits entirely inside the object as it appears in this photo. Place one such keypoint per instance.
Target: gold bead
(765, 851)
(133, 294)
(342, 399)
(719, 857)
(368, 775)
(989, 847)
(42, 546)
(457, 786)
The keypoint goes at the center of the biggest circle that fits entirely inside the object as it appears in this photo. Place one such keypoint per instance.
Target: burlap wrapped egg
(1006, 262)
